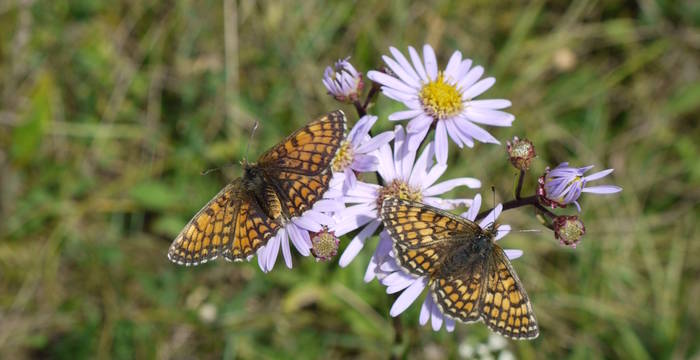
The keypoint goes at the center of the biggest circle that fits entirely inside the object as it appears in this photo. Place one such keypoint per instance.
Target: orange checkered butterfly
(470, 277)
(286, 181)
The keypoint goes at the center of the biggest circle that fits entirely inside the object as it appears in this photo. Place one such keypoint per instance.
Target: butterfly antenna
(252, 133)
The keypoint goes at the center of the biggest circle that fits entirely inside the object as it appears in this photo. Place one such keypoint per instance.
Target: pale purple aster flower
(564, 184)
(343, 81)
(396, 279)
(297, 231)
(358, 152)
(404, 176)
(444, 99)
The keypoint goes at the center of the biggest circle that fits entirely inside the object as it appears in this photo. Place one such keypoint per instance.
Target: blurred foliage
(110, 110)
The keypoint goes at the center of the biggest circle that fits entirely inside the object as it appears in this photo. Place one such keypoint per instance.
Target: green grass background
(110, 110)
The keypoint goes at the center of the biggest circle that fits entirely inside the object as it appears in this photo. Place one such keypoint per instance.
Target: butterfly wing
(505, 307)
(423, 235)
(299, 166)
(252, 229)
(210, 230)
(457, 291)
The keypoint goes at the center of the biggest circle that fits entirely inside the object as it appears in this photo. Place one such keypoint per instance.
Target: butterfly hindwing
(210, 230)
(458, 293)
(505, 307)
(423, 235)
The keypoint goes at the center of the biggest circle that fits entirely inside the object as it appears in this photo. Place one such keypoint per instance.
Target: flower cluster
(407, 163)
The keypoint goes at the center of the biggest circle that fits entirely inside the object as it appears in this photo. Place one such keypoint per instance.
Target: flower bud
(342, 81)
(520, 153)
(324, 245)
(568, 230)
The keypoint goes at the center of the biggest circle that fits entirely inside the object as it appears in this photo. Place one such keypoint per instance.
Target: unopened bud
(520, 153)
(568, 230)
(324, 245)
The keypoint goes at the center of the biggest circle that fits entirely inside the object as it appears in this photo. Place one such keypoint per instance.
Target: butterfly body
(470, 276)
(285, 182)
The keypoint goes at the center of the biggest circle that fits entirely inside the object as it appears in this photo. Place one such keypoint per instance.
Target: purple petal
(441, 145)
(472, 76)
(408, 296)
(479, 88)
(405, 114)
(503, 230)
(449, 324)
(397, 281)
(416, 138)
(494, 104)
(425, 310)
(375, 142)
(602, 189)
(365, 163)
(474, 209)
(326, 205)
(430, 62)
(448, 185)
(286, 253)
(361, 128)
(452, 69)
(419, 123)
(380, 253)
(274, 249)
(463, 68)
(417, 64)
(299, 240)
(262, 256)
(350, 180)
(453, 132)
(434, 174)
(420, 168)
(401, 72)
(513, 254)
(488, 117)
(469, 129)
(386, 163)
(599, 175)
(392, 82)
(436, 317)
(357, 243)
(306, 222)
(404, 63)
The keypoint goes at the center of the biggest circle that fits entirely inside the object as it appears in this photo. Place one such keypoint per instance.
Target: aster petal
(375, 142)
(513, 254)
(419, 123)
(301, 240)
(307, 222)
(357, 243)
(602, 189)
(406, 77)
(448, 185)
(347, 224)
(598, 175)
(350, 179)
(449, 324)
(417, 137)
(262, 256)
(503, 230)
(469, 129)
(361, 128)
(391, 82)
(494, 104)
(488, 116)
(479, 88)
(328, 206)
(405, 114)
(421, 167)
(380, 253)
(273, 249)
(436, 317)
(365, 163)
(397, 281)
(404, 63)
(441, 145)
(453, 132)
(430, 62)
(434, 174)
(408, 296)
(418, 64)
(425, 310)
(452, 69)
(474, 209)
(286, 253)
(399, 96)
(464, 67)
(470, 79)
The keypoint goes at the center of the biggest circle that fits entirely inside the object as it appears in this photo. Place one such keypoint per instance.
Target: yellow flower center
(440, 99)
(343, 158)
(399, 189)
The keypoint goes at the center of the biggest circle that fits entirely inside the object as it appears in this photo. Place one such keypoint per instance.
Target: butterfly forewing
(299, 166)
(506, 308)
(423, 235)
(287, 180)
